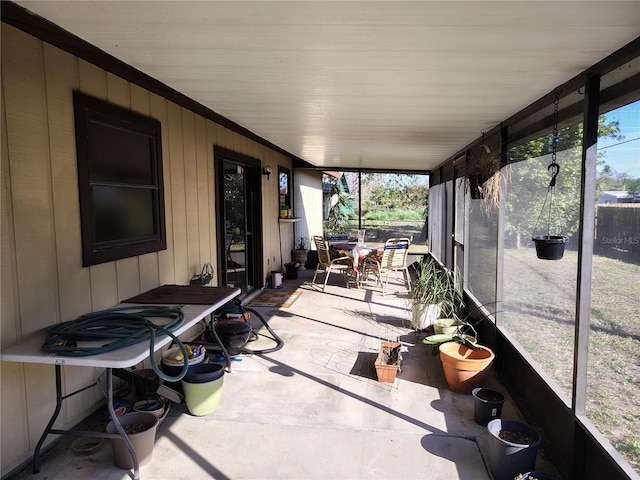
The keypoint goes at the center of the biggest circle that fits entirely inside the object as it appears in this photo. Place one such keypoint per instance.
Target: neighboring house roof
(615, 196)
(333, 174)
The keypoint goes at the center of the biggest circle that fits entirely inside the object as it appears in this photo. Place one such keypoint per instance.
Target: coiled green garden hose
(123, 326)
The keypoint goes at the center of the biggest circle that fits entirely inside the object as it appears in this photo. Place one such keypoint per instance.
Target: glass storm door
(239, 207)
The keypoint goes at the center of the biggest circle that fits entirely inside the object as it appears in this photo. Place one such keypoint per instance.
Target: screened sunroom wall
(558, 324)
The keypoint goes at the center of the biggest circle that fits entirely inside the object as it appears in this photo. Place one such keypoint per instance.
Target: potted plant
(513, 447)
(434, 293)
(465, 362)
(484, 177)
(301, 251)
(388, 361)
(549, 247)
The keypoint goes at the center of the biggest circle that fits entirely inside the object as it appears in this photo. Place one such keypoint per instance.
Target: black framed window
(120, 181)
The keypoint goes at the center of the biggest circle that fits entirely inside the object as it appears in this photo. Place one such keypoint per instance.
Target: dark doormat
(183, 294)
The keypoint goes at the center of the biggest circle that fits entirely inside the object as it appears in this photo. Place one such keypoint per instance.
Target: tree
(527, 189)
(342, 207)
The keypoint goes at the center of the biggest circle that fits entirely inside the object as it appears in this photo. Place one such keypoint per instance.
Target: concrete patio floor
(314, 409)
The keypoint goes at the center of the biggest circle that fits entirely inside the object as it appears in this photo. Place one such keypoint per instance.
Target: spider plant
(434, 285)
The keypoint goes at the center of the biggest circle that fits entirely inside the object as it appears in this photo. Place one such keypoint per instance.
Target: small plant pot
(487, 405)
(143, 438)
(387, 366)
(172, 365)
(173, 368)
(150, 405)
(447, 326)
(300, 257)
(550, 247)
(291, 270)
(513, 447)
(464, 368)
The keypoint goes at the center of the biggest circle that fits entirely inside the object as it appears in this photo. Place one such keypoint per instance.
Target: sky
(624, 155)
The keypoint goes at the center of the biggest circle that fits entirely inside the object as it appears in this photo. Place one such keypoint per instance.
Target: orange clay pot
(464, 368)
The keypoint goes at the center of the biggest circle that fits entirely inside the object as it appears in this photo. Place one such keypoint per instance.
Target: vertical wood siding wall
(43, 281)
(308, 204)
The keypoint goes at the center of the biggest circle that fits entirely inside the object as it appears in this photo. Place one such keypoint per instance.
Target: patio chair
(341, 264)
(393, 259)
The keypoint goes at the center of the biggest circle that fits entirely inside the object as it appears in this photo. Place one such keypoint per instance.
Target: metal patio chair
(393, 259)
(340, 264)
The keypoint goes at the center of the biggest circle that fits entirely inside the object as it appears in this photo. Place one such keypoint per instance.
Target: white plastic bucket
(276, 279)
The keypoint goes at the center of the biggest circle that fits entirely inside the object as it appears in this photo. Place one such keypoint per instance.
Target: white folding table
(31, 351)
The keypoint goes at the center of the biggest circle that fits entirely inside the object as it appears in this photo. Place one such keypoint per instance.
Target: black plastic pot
(233, 334)
(204, 372)
(550, 247)
(487, 405)
(291, 271)
(507, 458)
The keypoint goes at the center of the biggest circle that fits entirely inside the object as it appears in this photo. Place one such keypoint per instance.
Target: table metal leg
(47, 430)
(116, 422)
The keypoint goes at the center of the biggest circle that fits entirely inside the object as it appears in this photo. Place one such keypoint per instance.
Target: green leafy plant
(434, 284)
(464, 334)
(302, 243)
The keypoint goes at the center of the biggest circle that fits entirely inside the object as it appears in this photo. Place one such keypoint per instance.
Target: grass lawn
(539, 304)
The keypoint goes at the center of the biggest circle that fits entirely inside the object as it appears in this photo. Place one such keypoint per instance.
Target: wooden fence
(618, 228)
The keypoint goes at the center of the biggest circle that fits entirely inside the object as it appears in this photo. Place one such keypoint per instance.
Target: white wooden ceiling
(387, 84)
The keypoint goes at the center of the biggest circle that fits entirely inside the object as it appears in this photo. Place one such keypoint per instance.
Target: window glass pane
(123, 213)
(119, 156)
(613, 380)
(540, 295)
(120, 183)
(284, 184)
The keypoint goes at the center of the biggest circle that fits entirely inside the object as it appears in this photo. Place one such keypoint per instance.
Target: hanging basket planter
(550, 247)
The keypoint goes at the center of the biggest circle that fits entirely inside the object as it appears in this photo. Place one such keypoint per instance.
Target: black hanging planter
(550, 247)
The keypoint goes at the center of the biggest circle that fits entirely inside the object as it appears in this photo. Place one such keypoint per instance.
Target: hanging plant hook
(555, 170)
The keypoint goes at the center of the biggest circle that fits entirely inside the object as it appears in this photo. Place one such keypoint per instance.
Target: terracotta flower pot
(386, 371)
(464, 368)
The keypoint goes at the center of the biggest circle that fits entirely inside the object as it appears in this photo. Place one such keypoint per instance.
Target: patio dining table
(358, 252)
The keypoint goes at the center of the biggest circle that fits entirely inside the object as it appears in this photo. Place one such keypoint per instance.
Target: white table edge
(30, 351)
